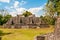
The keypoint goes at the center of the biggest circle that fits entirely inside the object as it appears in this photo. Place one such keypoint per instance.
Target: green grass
(24, 34)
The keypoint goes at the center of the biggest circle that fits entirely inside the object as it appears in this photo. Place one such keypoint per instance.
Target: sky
(15, 7)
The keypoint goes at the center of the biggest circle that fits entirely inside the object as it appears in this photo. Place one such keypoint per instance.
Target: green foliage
(1, 19)
(56, 5)
(41, 16)
(4, 19)
(52, 9)
(48, 19)
(26, 14)
(4, 16)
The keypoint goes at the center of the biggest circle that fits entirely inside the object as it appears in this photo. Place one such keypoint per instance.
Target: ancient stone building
(25, 22)
(52, 36)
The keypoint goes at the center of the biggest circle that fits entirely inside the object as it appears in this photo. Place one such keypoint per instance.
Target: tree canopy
(26, 13)
(4, 17)
(52, 11)
(56, 5)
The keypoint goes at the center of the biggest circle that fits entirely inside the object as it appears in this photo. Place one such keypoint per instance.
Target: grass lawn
(24, 34)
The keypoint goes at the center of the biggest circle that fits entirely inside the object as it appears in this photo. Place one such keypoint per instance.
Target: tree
(3, 12)
(41, 16)
(50, 10)
(48, 19)
(56, 5)
(26, 14)
(1, 18)
(4, 18)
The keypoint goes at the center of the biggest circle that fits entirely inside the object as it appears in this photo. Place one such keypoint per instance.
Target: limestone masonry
(25, 22)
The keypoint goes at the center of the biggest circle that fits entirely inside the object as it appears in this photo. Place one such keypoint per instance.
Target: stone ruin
(52, 36)
(25, 22)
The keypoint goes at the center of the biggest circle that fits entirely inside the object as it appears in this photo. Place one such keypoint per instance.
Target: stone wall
(49, 36)
(25, 22)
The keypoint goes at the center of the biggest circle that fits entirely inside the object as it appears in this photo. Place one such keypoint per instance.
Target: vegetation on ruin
(26, 13)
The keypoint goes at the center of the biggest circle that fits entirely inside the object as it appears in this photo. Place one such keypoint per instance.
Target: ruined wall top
(24, 16)
(20, 15)
(32, 16)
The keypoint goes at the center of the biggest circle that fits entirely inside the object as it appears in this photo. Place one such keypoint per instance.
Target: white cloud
(18, 11)
(35, 10)
(5, 1)
(13, 13)
(16, 7)
(11, 7)
(21, 10)
(7, 8)
(16, 4)
(22, 3)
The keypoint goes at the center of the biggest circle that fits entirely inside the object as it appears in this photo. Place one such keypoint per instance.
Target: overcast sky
(18, 6)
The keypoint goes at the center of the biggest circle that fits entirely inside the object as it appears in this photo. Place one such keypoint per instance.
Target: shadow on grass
(2, 34)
